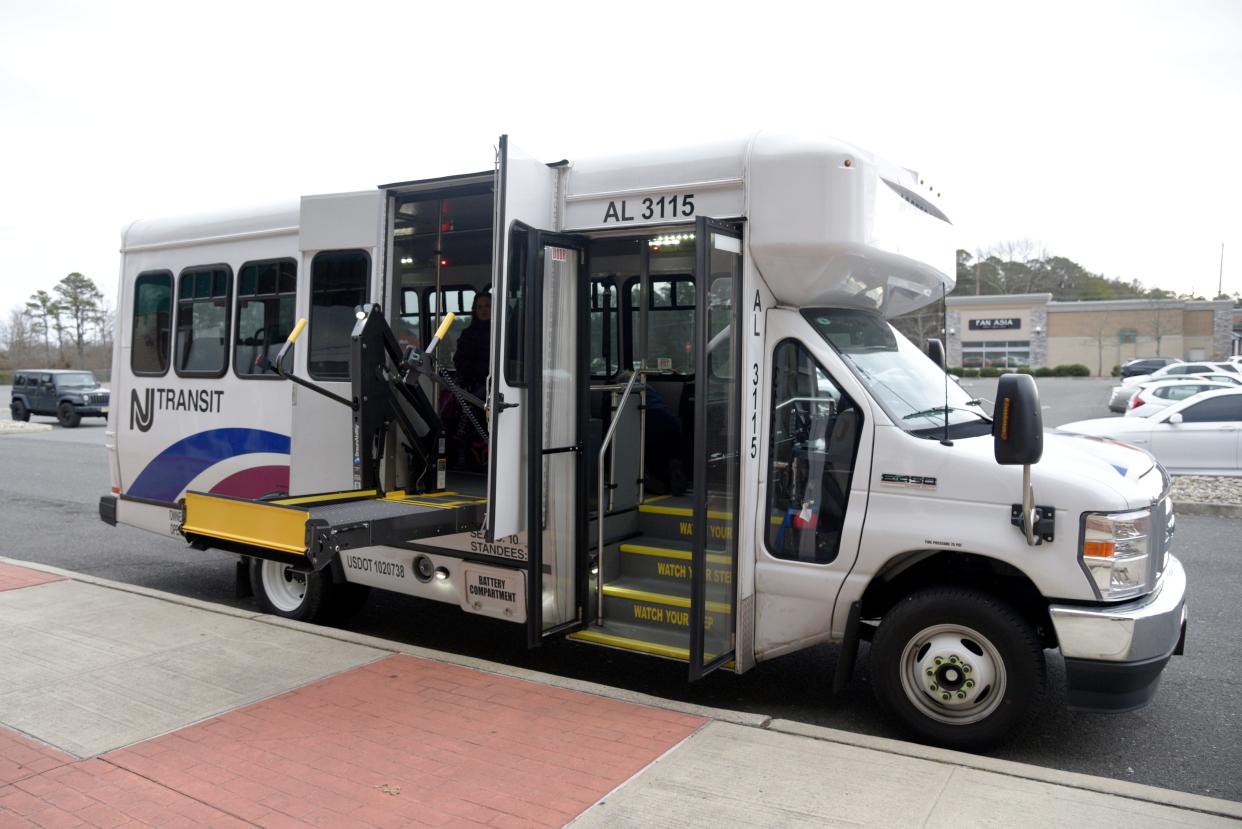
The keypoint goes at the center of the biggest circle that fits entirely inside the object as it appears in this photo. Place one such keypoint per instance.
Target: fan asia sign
(996, 324)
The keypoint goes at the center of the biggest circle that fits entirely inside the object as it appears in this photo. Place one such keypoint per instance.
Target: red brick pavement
(400, 742)
(13, 577)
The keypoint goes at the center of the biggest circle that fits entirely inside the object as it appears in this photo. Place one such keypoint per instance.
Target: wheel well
(931, 568)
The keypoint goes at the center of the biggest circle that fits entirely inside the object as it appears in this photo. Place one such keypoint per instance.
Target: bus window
(605, 351)
(338, 286)
(670, 323)
(410, 331)
(265, 309)
(152, 324)
(814, 439)
(458, 299)
(203, 321)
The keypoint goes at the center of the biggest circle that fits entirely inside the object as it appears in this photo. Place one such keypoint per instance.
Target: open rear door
(717, 442)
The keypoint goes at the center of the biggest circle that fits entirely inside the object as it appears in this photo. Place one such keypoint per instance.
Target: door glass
(717, 397)
(813, 441)
(1216, 410)
(559, 365)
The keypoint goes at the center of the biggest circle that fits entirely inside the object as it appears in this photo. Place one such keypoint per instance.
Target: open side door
(537, 474)
(525, 190)
(717, 441)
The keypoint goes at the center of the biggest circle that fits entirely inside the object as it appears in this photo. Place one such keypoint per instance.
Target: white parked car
(1152, 397)
(1199, 436)
(1119, 398)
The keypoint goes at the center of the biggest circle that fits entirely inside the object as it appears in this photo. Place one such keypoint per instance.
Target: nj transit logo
(141, 411)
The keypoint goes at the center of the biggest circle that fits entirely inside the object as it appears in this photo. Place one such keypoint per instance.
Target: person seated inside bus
(472, 359)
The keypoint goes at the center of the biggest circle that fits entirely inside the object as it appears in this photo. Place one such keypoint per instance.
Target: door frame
(533, 335)
(705, 228)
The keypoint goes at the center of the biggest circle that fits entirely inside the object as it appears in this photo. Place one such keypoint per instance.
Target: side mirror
(1018, 440)
(1175, 418)
(1017, 421)
(935, 350)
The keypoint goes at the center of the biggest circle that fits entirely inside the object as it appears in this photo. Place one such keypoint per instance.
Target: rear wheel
(68, 416)
(284, 591)
(19, 411)
(958, 667)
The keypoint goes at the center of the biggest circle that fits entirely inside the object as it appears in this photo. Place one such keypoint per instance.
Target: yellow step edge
(348, 495)
(598, 637)
(625, 643)
(659, 598)
(665, 552)
(683, 512)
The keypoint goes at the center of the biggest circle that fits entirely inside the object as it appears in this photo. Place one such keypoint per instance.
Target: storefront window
(997, 354)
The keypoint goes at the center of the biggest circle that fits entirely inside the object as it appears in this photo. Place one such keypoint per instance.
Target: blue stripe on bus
(171, 471)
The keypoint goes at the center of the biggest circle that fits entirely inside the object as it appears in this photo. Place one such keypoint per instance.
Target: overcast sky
(1109, 132)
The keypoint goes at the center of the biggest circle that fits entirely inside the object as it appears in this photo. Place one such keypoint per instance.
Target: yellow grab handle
(297, 331)
(444, 326)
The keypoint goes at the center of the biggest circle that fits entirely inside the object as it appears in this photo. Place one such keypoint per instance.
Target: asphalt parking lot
(50, 484)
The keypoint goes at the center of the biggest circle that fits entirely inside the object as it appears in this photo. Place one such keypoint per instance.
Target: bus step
(672, 518)
(639, 639)
(652, 605)
(666, 564)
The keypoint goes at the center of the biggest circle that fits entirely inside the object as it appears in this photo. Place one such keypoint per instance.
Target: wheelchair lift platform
(309, 531)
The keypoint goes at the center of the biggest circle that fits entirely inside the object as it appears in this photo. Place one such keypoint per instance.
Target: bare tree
(41, 309)
(1159, 326)
(1101, 329)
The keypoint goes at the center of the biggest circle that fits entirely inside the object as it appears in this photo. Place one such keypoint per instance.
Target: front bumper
(1120, 398)
(1114, 654)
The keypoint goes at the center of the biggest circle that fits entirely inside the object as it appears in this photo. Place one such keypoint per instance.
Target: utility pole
(1220, 276)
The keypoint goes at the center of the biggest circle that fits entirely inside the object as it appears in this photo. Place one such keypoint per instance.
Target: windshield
(77, 380)
(902, 379)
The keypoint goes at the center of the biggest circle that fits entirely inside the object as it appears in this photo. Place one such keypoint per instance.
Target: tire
(348, 599)
(995, 694)
(19, 411)
(68, 416)
(283, 591)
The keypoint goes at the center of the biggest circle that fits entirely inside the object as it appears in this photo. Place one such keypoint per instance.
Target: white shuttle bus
(648, 402)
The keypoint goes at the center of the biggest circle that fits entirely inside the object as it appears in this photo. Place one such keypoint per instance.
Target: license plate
(495, 592)
(103, 409)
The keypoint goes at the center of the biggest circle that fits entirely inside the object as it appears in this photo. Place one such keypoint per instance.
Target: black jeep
(67, 396)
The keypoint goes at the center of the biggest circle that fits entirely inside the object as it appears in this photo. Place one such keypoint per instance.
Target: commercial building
(1015, 330)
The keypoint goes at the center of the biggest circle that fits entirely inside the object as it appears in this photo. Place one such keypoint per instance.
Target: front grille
(1162, 525)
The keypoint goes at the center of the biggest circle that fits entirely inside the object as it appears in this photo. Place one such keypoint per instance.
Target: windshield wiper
(942, 410)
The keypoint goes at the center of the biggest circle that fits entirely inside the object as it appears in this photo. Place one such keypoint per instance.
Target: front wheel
(68, 416)
(284, 591)
(958, 667)
(19, 411)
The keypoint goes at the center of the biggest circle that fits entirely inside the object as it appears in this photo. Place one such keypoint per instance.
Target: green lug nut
(939, 661)
(931, 671)
(945, 697)
(953, 660)
(970, 683)
(961, 695)
(934, 687)
(966, 667)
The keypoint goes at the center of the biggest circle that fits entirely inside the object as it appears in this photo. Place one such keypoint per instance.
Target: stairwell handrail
(599, 502)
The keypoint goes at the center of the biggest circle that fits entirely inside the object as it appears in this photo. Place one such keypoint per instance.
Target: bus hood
(1129, 471)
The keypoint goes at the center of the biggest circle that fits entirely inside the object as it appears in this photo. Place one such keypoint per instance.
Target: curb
(1206, 510)
(1102, 785)
(17, 427)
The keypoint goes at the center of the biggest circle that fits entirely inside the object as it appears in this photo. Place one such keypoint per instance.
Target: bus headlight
(1114, 550)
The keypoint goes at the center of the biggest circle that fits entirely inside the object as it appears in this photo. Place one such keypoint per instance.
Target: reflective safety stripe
(684, 512)
(665, 552)
(659, 598)
(348, 495)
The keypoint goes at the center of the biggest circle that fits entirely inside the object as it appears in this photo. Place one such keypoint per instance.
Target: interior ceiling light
(671, 240)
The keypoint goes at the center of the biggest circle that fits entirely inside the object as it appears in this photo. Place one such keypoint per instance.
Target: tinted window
(19, 380)
(338, 286)
(203, 321)
(1217, 410)
(814, 439)
(151, 326)
(266, 292)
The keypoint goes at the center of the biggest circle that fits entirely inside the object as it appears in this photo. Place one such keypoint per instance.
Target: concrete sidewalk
(121, 706)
